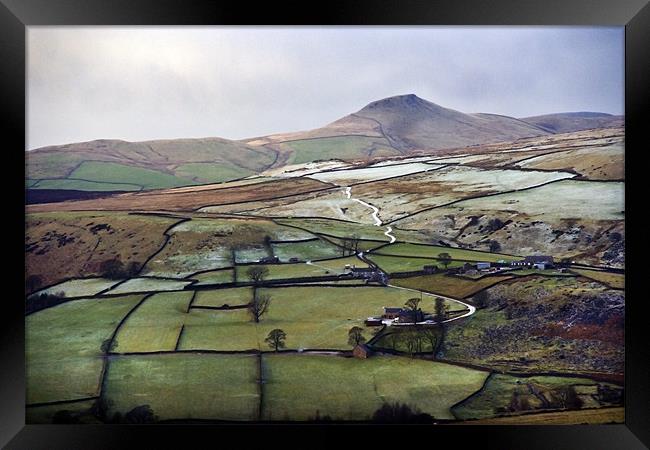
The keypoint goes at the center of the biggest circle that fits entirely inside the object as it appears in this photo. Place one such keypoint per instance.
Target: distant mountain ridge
(575, 121)
(398, 125)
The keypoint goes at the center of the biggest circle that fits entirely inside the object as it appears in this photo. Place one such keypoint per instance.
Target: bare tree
(430, 335)
(276, 338)
(355, 336)
(259, 305)
(257, 273)
(354, 241)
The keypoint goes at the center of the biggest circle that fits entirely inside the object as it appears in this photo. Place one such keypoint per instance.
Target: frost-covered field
(402, 196)
(351, 176)
(566, 199)
(299, 170)
(335, 205)
(80, 288)
(148, 285)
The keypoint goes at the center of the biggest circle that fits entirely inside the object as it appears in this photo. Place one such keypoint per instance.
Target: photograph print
(349, 224)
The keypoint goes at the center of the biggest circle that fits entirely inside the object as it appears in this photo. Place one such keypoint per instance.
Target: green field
(62, 347)
(45, 413)
(615, 280)
(344, 147)
(213, 276)
(353, 389)
(84, 185)
(211, 172)
(185, 386)
(433, 251)
(100, 171)
(155, 325)
(221, 297)
(535, 393)
(456, 287)
(219, 330)
(393, 264)
(320, 268)
(312, 317)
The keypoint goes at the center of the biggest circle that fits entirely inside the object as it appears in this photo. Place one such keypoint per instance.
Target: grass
(220, 297)
(432, 251)
(251, 254)
(148, 285)
(44, 414)
(297, 386)
(119, 173)
(83, 185)
(219, 330)
(451, 286)
(345, 147)
(393, 264)
(579, 417)
(185, 386)
(615, 280)
(214, 276)
(306, 251)
(499, 390)
(320, 317)
(211, 172)
(296, 270)
(62, 347)
(80, 288)
(155, 325)
(313, 317)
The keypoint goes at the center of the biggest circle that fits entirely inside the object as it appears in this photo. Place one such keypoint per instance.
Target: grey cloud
(155, 82)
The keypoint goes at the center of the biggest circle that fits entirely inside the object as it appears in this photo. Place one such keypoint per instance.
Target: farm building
(410, 316)
(538, 262)
(482, 265)
(361, 351)
(392, 313)
(373, 322)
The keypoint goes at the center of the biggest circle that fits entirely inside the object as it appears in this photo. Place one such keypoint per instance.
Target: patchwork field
(586, 225)
(352, 389)
(203, 244)
(312, 317)
(63, 362)
(508, 395)
(187, 199)
(402, 196)
(148, 285)
(155, 325)
(185, 386)
(456, 287)
(158, 297)
(79, 288)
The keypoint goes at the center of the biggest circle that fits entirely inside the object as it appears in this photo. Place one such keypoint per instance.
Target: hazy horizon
(146, 83)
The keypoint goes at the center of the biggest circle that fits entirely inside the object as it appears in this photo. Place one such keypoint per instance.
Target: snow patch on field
(80, 288)
(349, 176)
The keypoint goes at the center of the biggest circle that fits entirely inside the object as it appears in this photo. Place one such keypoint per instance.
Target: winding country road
(375, 212)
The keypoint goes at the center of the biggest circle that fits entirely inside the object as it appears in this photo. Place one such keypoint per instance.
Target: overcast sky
(138, 83)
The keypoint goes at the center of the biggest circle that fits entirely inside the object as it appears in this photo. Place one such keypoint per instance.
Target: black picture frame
(16, 15)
